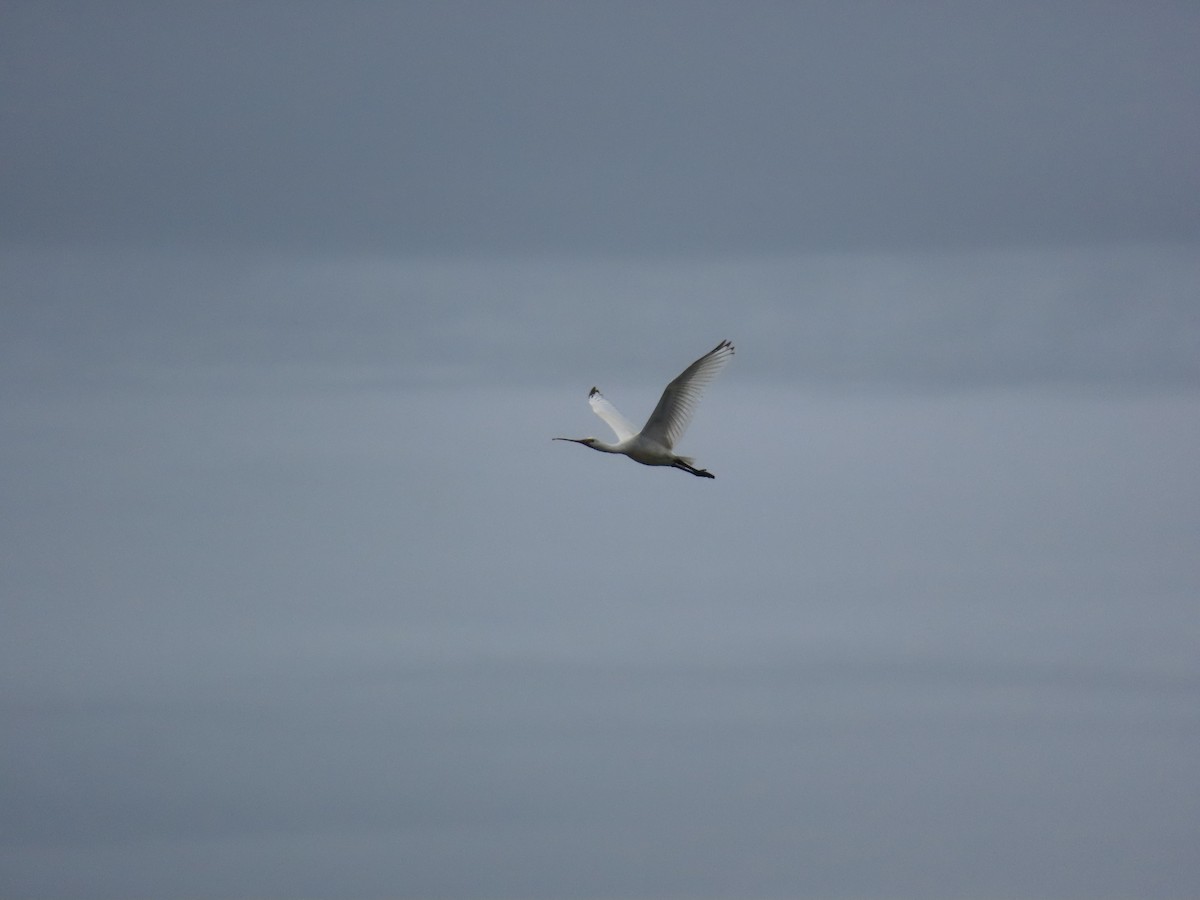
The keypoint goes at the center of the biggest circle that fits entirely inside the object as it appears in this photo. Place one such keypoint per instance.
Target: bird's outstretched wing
(605, 410)
(670, 418)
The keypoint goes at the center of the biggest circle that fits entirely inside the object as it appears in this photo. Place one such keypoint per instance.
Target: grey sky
(297, 598)
(630, 127)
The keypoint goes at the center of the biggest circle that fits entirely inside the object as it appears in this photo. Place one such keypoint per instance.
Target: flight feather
(621, 426)
(670, 418)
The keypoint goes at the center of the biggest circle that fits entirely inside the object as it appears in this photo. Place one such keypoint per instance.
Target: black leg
(702, 473)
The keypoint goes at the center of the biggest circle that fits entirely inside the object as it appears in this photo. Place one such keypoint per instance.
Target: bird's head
(588, 441)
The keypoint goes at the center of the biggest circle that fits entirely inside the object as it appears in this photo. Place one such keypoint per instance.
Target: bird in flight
(653, 445)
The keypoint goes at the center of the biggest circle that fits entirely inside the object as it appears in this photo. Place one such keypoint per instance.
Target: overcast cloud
(297, 598)
(681, 127)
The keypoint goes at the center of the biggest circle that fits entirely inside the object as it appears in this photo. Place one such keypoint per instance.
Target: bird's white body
(654, 444)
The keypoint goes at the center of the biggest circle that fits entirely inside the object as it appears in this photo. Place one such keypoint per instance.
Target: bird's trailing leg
(702, 473)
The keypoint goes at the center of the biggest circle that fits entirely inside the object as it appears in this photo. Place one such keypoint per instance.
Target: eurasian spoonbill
(653, 445)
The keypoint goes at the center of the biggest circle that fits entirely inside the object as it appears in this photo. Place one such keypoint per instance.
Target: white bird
(653, 445)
